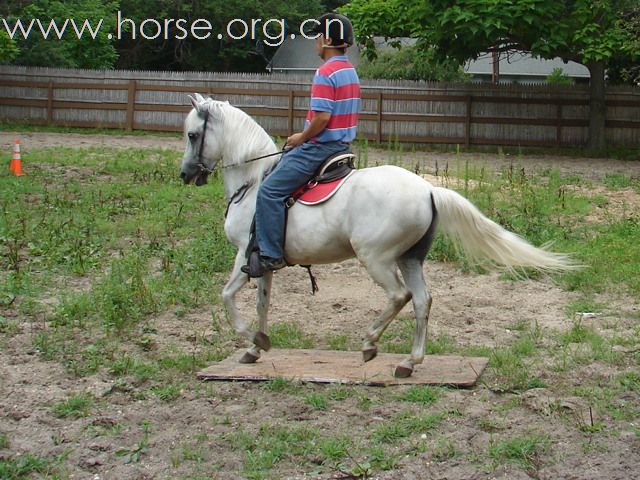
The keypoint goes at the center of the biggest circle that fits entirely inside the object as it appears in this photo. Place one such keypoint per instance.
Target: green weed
(26, 466)
(526, 451)
(316, 400)
(422, 394)
(335, 448)
(280, 384)
(339, 342)
(8, 327)
(134, 455)
(167, 393)
(290, 335)
(443, 450)
(619, 180)
(406, 424)
(74, 407)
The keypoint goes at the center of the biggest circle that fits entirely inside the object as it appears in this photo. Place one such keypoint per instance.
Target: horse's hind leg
(386, 275)
(414, 279)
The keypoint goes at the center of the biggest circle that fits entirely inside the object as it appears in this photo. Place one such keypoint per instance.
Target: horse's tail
(482, 239)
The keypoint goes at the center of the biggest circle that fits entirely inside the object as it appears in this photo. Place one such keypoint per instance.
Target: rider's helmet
(336, 27)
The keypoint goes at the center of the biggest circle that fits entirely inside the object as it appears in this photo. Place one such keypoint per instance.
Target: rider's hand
(295, 140)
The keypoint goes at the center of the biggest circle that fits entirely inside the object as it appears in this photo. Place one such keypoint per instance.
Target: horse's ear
(200, 98)
(193, 101)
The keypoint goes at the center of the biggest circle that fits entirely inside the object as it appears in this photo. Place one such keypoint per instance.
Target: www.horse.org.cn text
(272, 31)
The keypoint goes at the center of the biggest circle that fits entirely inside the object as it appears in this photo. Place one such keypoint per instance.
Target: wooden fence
(412, 112)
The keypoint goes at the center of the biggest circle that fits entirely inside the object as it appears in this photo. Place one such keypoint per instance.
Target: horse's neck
(239, 169)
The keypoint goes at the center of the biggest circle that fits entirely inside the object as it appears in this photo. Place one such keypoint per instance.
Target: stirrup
(253, 268)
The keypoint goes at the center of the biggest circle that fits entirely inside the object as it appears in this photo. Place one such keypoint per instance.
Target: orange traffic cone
(16, 162)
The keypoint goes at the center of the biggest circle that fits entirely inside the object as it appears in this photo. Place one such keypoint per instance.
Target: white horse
(384, 216)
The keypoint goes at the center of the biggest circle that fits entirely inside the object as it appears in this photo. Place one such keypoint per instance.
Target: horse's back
(378, 210)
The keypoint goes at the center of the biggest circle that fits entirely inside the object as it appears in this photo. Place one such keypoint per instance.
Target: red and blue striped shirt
(336, 89)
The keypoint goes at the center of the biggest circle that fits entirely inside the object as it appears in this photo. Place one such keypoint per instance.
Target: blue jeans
(296, 167)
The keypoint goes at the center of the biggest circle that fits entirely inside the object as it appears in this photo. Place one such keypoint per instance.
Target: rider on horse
(330, 127)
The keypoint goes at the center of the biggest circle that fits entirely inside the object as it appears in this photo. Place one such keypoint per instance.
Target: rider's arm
(317, 125)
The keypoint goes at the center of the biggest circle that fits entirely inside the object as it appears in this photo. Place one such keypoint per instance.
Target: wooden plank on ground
(327, 366)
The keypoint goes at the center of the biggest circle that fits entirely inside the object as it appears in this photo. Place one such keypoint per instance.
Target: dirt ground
(472, 309)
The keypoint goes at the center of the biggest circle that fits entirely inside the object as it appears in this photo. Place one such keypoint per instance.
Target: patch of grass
(290, 335)
(630, 381)
(583, 344)
(8, 327)
(490, 425)
(526, 451)
(316, 400)
(104, 428)
(512, 365)
(339, 342)
(406, 424)
(74, 407)
(134, 454)
(610, 254)
(422, 394)
(274, 444)
(335, 448)
(167, 393)
(26, 466)
(281, 384)
(443, 450)
(380, 459)
(127, 364)
(583, 305)
(339, 393)
(620, 180)
(4, 441)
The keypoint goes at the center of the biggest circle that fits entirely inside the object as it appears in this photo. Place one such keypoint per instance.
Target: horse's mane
(245, 139)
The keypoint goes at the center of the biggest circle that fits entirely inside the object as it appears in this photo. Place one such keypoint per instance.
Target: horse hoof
(369, 354)
(262, 341)
(403, 372)
(249, 358)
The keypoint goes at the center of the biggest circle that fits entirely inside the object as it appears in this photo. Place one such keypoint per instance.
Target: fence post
(559, 124)
(467, 124)
(379, 119)
(290, 118)
(50, 103)
(131, 105)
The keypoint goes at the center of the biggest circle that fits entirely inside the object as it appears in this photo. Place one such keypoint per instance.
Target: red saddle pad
(319, 192)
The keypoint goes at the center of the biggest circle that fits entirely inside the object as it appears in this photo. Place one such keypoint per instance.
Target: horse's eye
(192, 135)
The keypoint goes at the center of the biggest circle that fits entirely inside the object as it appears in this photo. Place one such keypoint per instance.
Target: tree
(171, 49)
(213, 54)
(8, 48)
(590, 32)
(68, 51)
(410, 63)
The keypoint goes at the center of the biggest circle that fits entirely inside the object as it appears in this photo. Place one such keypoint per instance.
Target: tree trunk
(597, 107)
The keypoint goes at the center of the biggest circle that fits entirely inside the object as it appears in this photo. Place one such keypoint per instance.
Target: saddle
(327, 180)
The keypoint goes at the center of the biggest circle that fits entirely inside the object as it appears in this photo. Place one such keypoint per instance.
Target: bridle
(204, 169)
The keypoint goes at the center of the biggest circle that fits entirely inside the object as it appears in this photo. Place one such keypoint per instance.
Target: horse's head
(203, 130)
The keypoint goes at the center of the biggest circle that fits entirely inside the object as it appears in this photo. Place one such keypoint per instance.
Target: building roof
(299, 55)
(525, 65)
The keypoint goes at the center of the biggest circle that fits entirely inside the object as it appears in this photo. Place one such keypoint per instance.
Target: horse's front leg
(237, 280)
(261, 340)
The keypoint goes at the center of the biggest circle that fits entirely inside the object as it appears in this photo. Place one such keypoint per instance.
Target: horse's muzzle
(199, 178)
